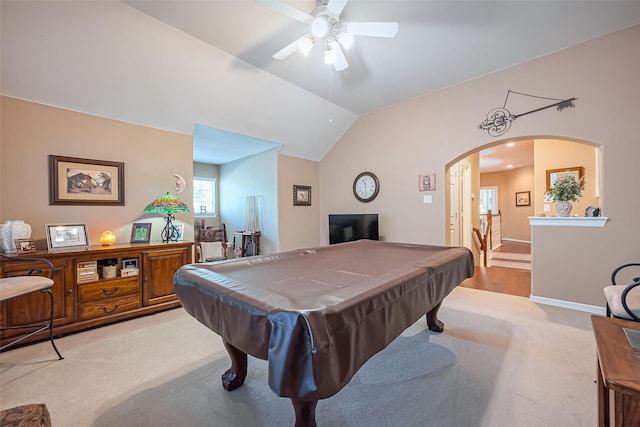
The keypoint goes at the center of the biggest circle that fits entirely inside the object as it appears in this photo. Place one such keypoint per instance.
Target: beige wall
(515, 222)
(557, 154)
(429, 132)
(30, 132)
(399, 143)
(299, 225)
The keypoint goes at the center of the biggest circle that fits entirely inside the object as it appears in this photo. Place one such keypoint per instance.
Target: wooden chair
(212, 244)
(622, 301)
(16, 286)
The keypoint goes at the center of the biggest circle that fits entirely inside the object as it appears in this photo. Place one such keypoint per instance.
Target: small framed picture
(140, 232)
(67, 236)
(130, 263)
(179, 232)
(301, 195)
(427, 182)
(25, 246)
(523, 198)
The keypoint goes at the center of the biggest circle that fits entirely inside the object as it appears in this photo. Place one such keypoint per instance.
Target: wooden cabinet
(34, 308)
(159, 268)
(84, 303)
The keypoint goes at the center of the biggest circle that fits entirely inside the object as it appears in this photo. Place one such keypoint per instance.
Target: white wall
(251, 176)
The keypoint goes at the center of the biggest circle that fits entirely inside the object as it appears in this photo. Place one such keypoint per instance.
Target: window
(488, 200)
(204, 197)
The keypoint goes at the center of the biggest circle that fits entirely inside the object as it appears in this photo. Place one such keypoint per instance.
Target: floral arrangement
(566, 188)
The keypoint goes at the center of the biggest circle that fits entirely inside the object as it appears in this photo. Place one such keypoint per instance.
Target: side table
(618, 373)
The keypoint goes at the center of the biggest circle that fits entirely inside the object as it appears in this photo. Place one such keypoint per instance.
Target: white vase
(563, 208)
(11, 230)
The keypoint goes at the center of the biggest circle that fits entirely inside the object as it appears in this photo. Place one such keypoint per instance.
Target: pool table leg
(305, 413)
(433, 323)
(234, 376)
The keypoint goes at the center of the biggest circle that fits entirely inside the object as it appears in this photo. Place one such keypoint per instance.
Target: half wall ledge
(570, 221)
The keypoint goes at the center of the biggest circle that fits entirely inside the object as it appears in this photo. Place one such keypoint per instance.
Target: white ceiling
(177, 64)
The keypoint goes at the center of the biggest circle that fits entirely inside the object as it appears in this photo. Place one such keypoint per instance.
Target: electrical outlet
(426, 199)
(547, 208)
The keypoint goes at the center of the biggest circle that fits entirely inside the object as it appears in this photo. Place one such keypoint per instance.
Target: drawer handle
(106, 291)
(106, 310)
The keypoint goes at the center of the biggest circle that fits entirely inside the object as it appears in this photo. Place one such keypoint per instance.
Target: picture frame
(130, 263)
(76, 181)
(24, 246)
(301, 195)
(427, 182)
(554, 174)
(179, 232)
(140, 232)
(523, 198)
(64, 236)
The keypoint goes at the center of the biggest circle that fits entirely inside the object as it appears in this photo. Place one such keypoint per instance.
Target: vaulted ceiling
(175, 65)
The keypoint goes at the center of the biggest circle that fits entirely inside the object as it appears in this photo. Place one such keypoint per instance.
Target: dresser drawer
(108, 289)
(108, 306)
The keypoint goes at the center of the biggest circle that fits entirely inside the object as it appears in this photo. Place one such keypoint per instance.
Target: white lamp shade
(329, 56)
(319, 26)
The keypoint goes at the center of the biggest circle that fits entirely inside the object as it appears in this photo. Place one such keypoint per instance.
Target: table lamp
(168, 204)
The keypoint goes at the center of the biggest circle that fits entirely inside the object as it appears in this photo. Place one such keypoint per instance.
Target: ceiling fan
(328, 30)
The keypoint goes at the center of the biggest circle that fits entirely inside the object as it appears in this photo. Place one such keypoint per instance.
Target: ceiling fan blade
(341, 61)
(372, 29)
(285, 9)
(287, 50)
(336, 6)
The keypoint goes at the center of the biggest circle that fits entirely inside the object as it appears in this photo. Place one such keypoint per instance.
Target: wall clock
(366, 186)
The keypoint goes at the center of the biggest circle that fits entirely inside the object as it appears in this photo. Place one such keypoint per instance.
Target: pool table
(318, 314)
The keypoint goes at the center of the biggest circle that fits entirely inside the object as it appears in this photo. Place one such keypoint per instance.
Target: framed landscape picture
(523, 198)
(75, 181)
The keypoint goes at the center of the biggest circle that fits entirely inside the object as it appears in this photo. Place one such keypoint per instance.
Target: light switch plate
(426, 199)
(547, 208)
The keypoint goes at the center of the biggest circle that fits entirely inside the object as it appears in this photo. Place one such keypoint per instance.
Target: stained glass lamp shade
(168, 204)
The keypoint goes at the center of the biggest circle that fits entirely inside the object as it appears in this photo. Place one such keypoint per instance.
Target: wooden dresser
(82, 301)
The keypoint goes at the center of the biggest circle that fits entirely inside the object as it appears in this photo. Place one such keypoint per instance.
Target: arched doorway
(524, 180)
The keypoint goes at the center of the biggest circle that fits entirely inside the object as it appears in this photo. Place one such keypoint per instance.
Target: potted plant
(565, 189)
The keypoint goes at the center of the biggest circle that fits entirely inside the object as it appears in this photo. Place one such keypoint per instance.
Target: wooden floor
(514, 247)
(503, 280)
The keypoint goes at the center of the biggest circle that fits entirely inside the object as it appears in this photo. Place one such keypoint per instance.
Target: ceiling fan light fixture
(329, 56)
(305, 44)
(346, 39)
(319, 26)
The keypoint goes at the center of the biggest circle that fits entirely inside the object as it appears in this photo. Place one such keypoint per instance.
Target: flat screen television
(350, 227)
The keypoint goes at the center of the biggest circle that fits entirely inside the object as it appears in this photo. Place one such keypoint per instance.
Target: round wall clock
(366, 186)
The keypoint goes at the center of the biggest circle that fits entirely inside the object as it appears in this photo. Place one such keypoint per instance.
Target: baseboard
(594, 309)
(516, 240)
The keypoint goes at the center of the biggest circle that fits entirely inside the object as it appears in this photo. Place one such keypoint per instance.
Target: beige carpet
(502, 361)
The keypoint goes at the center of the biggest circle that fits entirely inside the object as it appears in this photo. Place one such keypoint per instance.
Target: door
(158, 269)
(453, 205)
(34, 308)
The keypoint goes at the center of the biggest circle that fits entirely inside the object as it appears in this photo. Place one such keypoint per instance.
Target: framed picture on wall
(553, 175)
(301, 195)
(523, 198)
(427, 182)
(75, 181)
